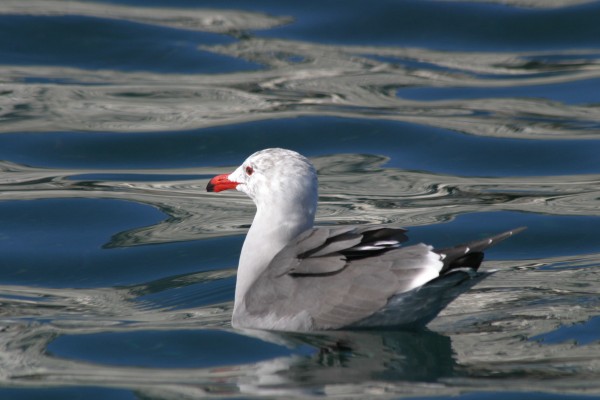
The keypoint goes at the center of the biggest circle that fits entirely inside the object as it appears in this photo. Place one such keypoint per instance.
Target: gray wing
(340, 275)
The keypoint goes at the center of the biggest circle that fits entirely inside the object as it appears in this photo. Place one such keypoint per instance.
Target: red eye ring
(249, 170)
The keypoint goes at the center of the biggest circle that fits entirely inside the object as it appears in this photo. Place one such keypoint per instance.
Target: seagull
(295, 277)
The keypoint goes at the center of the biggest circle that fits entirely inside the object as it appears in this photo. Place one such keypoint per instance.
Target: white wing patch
(379, 245)
(432, 265)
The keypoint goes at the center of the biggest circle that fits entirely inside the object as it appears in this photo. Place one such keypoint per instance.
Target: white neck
(273, 227)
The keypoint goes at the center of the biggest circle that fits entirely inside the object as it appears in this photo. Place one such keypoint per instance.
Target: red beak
(220, 183)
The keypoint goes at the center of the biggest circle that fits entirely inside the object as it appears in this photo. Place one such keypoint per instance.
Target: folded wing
(337, 277)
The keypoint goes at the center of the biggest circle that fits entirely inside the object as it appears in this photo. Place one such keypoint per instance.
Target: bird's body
(294, 277)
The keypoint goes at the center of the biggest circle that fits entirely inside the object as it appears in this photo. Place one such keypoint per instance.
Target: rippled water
(453, 118)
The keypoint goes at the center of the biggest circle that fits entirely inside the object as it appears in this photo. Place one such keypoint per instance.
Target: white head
(274, 178)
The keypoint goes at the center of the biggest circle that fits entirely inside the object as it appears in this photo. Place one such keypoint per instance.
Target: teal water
(456, 119)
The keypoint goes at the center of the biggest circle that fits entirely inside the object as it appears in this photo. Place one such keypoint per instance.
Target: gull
(295, 277)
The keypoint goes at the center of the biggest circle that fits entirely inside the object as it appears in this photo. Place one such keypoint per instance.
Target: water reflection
(300, 78)
(221, 21)
(538, 3)
(354, 189)
(481, 336)
(333, 361)
(356, 87)
(516, 329)
(485, 337)
(345, 358)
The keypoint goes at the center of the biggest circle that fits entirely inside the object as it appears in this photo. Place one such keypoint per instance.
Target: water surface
(455, 119)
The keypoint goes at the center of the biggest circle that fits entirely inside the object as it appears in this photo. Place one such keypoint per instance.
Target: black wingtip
(479, 245)
(518, 230)
(472, 253)
(504, 235)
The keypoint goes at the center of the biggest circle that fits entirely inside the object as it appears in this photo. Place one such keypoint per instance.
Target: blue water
(455, 119)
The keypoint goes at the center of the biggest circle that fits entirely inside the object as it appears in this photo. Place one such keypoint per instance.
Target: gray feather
(333, 290)
(318, 266)
(324, 275)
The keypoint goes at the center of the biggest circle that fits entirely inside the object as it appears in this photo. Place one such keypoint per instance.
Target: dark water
(455, 119)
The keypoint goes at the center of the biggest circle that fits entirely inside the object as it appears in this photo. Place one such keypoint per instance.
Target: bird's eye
(249, 170)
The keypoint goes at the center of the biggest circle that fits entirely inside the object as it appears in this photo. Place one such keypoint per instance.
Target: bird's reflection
(346, 357)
